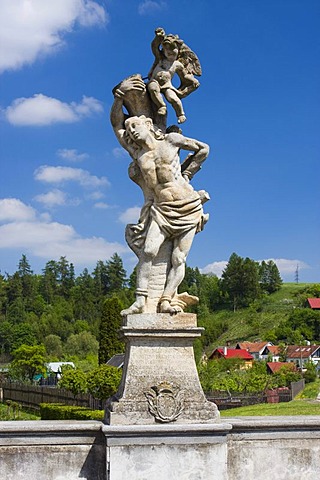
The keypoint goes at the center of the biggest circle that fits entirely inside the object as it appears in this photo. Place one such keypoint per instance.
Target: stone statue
(160, 381)
(174, 57)
(172, 213)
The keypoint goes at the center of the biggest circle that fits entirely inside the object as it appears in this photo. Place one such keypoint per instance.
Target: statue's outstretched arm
(155, 47)
(117, 116)
(193, 162)
(156, 42)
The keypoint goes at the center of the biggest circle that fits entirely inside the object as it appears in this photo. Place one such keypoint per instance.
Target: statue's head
(171, 44)
(139, 128)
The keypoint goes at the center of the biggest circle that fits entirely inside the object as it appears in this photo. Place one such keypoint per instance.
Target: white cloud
(284, 265)
(91, 13)
(12, 209)
(50, 199)
(56, 198)
(288, 266)
(59, 175)
(71, 155)
(131, 215)
(151, 6)
(216, 268)
(31, 28)
(96, 195)
(38, 236)
(41, 110)
(101, 205)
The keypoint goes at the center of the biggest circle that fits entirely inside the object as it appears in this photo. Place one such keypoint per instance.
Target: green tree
(82, 344)
(5, 337)
(116, 274)
(109, 341)
(104, 381)
(22, 334)
(240, 281)
(73, 379)
(53, 345)
(83, 298)
(310, 375)
(27, 280)
(27, 362)
(269, 276)
(49, 281)
(65, 277)
(100, 279)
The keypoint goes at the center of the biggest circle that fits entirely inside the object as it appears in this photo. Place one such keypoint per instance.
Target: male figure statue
(173, 209)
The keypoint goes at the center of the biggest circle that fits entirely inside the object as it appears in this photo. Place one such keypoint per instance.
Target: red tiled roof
(314, 302)
(301, 351)
(253, 347)
(275, 366)
(233, 353)
(274, 349)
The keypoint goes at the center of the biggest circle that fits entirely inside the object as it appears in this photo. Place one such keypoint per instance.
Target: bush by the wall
(58, 411)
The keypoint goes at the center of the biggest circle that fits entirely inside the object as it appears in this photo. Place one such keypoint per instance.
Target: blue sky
(64, 187)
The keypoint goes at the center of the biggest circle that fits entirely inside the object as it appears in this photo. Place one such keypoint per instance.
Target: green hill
(252, 323)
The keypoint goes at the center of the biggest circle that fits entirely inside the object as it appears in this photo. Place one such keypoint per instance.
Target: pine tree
(109, 341)
(269, 276)
(240, 281)
(100, 279)
(65, 277)
(49, 281)
(116, 274)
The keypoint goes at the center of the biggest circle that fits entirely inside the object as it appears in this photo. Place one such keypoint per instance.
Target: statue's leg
(156, 96)
(153, 242)
(180, 252)
(175, 101)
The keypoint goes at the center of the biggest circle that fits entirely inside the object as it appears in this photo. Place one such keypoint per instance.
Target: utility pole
(296, 275)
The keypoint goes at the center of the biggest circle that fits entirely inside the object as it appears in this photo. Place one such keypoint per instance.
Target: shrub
(103, 381)
(58, 411)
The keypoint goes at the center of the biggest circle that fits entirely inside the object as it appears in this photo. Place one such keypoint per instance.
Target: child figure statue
(172, 56)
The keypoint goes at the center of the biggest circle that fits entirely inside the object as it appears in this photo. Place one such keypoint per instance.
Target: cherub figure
(172, 56)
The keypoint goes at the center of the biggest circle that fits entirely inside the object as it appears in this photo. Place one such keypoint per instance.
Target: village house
(314, 303)
(226, 352)
(302, 354)
(272, 353)
(274, 367)
(255, 348)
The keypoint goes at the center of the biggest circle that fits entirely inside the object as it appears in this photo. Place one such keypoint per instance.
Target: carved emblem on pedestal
(165, 402)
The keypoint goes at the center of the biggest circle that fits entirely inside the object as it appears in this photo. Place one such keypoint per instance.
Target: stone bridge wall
(245, 448)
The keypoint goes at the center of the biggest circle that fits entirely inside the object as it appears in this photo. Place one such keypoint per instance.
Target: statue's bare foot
(162, 110)
(136, 307)
(166, 307)
(182, 119)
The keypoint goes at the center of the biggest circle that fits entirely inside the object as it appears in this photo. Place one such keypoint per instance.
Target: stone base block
(167, 452)
(160, 381)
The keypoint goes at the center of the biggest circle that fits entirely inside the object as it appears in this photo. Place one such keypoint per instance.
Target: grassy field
(304, 404)
(296, 407)
(8, 414)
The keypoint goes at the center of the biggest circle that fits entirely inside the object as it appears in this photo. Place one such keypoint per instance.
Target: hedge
(59, 411)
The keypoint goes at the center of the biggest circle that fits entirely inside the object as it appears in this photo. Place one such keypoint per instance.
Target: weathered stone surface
(160, 381)
(167, 452)
(287, 448)
(52, 450)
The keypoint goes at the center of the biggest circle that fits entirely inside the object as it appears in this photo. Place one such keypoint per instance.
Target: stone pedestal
(160, 381)
(167, 452)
